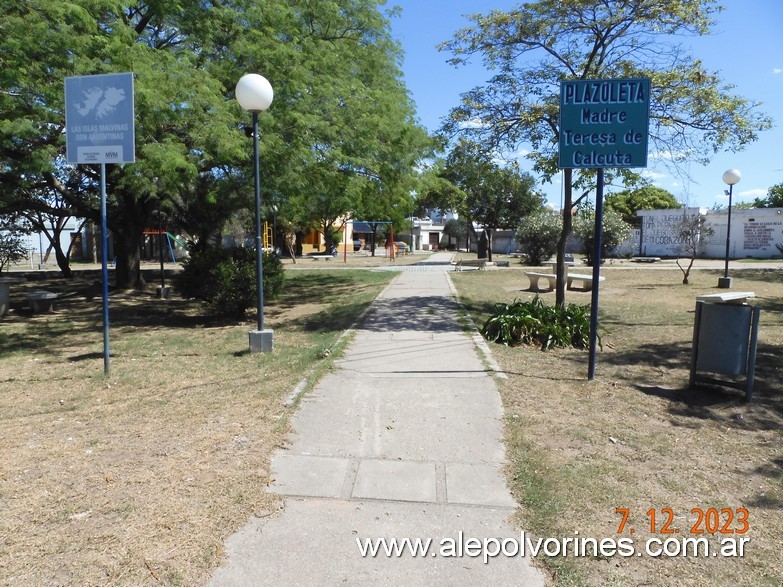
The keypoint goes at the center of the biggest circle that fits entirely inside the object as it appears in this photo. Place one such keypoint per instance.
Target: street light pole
(730, 177)
(259, 239)
(254, 93)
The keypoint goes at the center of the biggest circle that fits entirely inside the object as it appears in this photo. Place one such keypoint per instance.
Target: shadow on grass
(79, 312)
(707, 401)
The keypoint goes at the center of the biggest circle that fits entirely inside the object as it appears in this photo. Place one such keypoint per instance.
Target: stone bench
(587, 281)
(477, 263)
(41, 301)
(535, 277)
(5, 289)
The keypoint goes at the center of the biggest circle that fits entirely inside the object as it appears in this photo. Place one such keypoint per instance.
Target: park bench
(645, 259)
(477, 263)
(587, 281)
(535, 277)
(319, 257)
(41, 301)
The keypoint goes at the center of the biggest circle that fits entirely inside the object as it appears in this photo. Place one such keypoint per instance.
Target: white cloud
(777, 70)
(473, 123)
(669, 155)
(653, 175)
(755, 193)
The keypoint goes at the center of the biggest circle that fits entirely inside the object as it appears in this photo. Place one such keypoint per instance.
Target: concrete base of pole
(724, 282)
(262, 341)
(164, 292)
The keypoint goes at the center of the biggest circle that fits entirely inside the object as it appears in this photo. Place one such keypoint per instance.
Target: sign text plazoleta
(604, 123)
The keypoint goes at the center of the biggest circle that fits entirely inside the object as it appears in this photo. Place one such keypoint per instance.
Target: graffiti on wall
(663, 230)
(760, 236)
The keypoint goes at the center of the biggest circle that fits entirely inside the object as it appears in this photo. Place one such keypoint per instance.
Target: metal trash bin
(725, 336)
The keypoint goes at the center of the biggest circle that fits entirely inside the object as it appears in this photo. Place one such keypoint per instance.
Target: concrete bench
(319, 257)
(5, 292)
(477, 263)
(645, 259)
(587, 281)
(535, 277)
(41, 301)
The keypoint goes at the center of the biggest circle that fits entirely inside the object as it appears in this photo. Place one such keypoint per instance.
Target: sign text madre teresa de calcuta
(604, 123)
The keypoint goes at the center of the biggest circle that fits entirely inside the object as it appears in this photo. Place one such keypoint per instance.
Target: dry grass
(139, 478)
(636, 437)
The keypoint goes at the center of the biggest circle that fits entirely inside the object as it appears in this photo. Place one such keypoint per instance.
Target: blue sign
(604, 123)
(99, 119)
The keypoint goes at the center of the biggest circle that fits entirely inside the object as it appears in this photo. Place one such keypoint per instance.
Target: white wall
(754, 233)
(659, 231)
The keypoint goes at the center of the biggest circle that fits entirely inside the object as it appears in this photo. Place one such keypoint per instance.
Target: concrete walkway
(402, 441)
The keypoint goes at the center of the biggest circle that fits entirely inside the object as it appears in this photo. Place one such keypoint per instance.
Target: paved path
(403, 440)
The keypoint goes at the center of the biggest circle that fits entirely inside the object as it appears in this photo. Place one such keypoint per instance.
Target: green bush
(226, 279)
(538, 234)
(536, 323)
(615, 232)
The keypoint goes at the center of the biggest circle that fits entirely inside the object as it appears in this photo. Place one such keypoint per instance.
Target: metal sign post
(100, 128)
(603, 123)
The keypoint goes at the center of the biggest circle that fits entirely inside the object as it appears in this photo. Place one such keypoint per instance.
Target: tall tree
(185, 127)
(774, 198)
(628, 202)
(332, 64)
(534, 46)
(495, 197)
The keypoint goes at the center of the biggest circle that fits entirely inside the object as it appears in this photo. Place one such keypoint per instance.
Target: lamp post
(730, 177)
(254, 93)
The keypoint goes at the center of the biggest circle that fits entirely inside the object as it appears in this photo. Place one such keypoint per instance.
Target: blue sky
(746, 48)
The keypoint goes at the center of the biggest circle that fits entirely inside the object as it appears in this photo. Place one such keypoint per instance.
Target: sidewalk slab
(395, 480)
(314, 542)
(437, 419)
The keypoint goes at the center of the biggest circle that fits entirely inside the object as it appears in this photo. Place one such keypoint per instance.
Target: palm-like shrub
(536, 323)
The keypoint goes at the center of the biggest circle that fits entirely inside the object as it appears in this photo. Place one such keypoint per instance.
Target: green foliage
(538, 234)
(12, 248)
(536, 323)
(774, 198)
(436, 192)
(226, 279)
(455, 229)
(534, 45)
(341, 128)
(615, 232)
(495, 196)
(628, 202)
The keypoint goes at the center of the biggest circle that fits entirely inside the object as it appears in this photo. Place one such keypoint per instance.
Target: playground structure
(153, 247)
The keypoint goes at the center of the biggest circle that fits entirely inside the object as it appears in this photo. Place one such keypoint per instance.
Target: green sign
(604, 123)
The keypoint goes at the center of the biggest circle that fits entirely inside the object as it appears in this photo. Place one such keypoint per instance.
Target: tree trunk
(290, 242)
(564, 234)
(482, 245)
(490, 233)
(54, 243)
(61, 257)
(127, 249)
